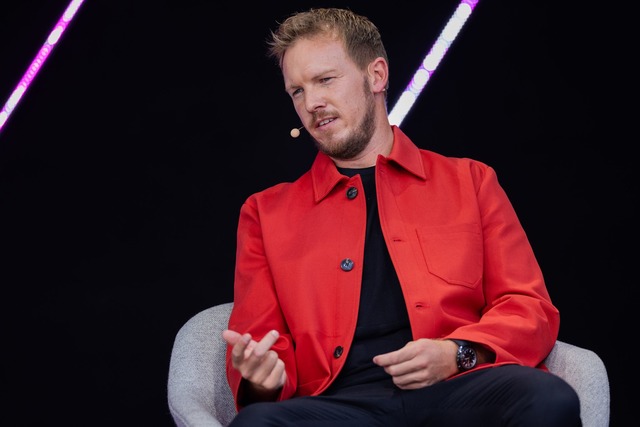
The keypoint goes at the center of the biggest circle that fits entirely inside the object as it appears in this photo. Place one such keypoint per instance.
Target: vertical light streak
(431, 61)
(38, 61)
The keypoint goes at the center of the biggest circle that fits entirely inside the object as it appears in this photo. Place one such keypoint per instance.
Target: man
(388, 285)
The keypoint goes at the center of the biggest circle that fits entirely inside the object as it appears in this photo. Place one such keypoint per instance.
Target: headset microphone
(295, 132)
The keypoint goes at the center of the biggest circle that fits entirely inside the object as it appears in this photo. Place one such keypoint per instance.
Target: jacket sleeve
(256, 308)
(519, 322)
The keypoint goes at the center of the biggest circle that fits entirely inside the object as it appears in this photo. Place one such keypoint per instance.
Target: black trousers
(508, 395)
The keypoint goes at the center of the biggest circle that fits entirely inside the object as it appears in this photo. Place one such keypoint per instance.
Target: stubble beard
(357, 141)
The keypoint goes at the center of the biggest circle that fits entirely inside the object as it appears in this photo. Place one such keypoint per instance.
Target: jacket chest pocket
(453, 253)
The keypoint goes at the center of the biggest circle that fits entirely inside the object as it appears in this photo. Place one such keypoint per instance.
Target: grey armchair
(199, 395)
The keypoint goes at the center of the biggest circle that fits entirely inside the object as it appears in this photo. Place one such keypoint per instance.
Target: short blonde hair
(360, 36)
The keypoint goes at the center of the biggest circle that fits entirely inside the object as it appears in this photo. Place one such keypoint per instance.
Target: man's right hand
(257, 363)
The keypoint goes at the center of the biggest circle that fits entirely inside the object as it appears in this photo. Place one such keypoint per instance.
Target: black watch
(466, 357)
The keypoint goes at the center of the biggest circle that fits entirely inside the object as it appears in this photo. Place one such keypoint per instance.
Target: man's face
(331, 96)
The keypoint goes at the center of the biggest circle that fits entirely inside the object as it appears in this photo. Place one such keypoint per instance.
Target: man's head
(360, 36)
(336, 72)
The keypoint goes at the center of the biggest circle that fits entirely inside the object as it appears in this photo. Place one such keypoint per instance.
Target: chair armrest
(585, 372)
(198, 391)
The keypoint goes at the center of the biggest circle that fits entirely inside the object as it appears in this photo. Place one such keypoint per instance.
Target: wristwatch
(466, 357)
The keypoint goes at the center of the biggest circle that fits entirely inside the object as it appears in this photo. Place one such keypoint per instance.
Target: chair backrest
(199, 394)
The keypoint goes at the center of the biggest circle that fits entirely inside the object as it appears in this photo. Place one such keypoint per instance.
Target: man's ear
(378, 72)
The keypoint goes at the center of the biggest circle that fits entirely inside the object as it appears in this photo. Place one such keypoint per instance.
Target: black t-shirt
(383, 323)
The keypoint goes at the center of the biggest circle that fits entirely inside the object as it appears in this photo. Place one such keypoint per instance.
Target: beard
(357, 141)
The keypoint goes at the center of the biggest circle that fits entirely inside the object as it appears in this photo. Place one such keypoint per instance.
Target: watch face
(466, 358)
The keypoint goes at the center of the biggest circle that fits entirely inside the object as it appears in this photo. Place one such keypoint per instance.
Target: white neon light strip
(431, 61)
(39, 60)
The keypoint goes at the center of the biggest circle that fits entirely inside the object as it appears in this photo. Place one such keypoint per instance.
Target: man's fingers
(231, 337)
(244, 347)
(239, 352)
(387, 359)
(265, 343)
(255, 360)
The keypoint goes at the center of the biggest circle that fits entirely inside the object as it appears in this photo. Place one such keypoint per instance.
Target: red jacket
(465, 265)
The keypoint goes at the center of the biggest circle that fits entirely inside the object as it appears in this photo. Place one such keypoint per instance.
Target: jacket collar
(405, 154)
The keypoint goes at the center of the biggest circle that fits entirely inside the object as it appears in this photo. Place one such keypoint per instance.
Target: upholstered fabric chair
(199, 395)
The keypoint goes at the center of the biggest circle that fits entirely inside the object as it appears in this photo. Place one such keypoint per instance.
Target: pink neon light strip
(39, 60)
(431, 61)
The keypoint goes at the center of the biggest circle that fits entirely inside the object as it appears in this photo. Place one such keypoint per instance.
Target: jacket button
(346, 264)
(352, 192)
(338, 351)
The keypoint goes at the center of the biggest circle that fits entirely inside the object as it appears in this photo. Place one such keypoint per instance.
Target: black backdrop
(123, 169)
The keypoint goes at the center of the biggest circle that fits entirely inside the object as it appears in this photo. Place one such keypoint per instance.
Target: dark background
(123, 169)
